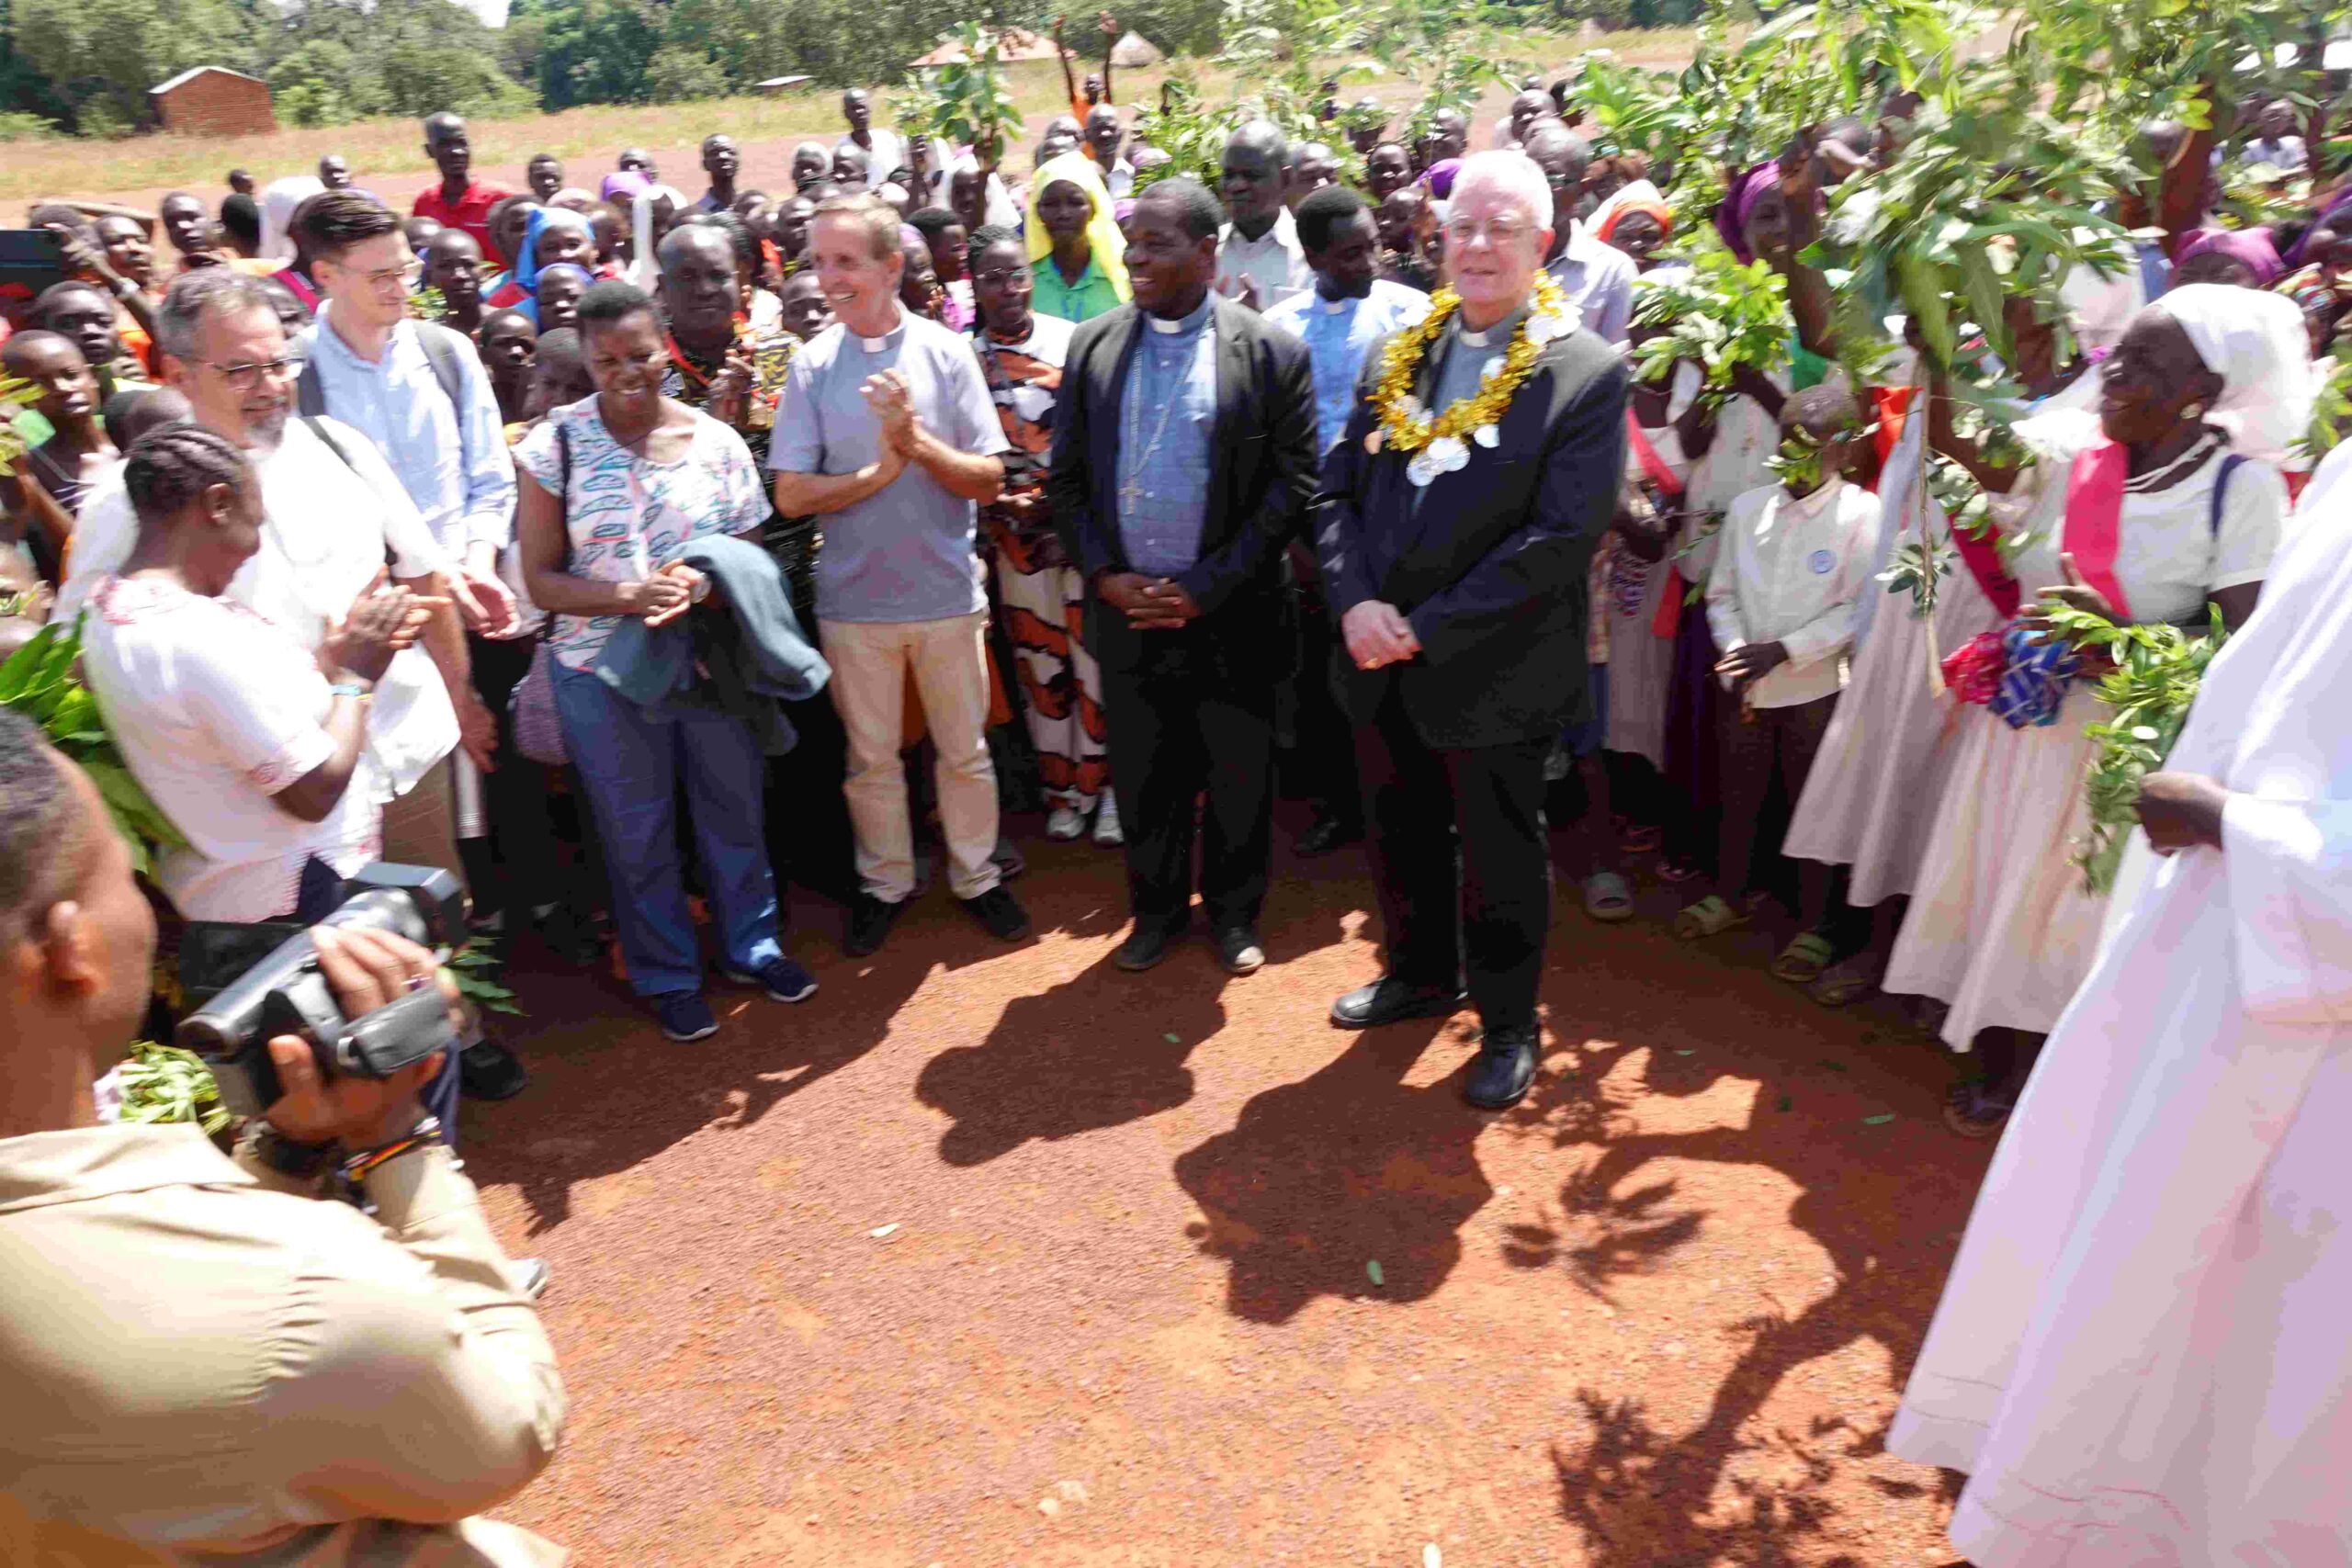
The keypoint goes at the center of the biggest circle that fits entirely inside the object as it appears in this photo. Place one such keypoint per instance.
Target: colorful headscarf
(1438, 178)
(2253, 247)
(1102, 237)
(1731, 214)
(1658, 210)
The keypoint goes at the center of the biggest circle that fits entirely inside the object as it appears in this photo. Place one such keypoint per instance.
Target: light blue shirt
(1598, 278)
(1338, 333)
(452, 461)
(1165, 420)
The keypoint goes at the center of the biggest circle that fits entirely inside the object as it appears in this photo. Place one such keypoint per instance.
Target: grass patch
(591, 133)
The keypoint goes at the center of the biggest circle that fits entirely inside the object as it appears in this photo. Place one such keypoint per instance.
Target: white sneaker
(1106, 824)
(1063, 824)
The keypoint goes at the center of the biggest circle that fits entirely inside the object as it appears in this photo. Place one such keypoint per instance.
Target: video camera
(286, 993)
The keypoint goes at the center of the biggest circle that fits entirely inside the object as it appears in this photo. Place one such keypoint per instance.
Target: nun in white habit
(2142, 1359)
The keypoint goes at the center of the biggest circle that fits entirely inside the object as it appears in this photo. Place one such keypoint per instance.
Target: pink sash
(1652, 465)
(2094, 518)
(1668, 618)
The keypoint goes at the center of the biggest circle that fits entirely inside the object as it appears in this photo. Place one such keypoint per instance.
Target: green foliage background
(84, 65)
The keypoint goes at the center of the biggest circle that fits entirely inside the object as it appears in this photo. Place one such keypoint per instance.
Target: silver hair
(206, 291)
(1510, 177)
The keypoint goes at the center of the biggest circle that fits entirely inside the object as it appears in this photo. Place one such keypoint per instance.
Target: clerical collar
(1187, 323)
(879, 345)
(1500, 332)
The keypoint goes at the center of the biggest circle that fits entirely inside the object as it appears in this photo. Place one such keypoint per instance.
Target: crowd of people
(620, 550)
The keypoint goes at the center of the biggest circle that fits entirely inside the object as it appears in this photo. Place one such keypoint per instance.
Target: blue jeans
(631, 760)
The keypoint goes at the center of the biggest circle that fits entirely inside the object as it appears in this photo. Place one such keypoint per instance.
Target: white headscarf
(2256, 342)
(643, 270)
(278, 200)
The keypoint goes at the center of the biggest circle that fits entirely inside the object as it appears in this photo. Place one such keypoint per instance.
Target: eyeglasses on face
(1495, 231)
(246, 375)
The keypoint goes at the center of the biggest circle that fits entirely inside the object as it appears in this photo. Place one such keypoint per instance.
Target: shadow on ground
(1646, 1497)
(1321, 1178)
(589, 1044)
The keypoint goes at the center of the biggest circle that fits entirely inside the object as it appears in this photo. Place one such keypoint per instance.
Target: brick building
(212, 100)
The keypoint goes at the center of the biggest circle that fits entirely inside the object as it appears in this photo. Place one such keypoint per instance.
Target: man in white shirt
(1104, 137)
(1792, 560)
(884, 154)
(2276, 143)
(1259, 261)
(1598, 278)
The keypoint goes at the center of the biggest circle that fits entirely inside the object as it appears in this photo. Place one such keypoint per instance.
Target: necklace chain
(2196, 454)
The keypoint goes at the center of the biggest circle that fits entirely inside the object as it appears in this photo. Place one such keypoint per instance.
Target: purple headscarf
(1439, 177)
(1731, 213)
(621, 185)
(2251, 247)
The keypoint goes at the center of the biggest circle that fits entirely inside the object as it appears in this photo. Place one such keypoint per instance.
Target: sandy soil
(992, 1255)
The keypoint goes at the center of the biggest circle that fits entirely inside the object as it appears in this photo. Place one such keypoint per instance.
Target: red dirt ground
(1123, 1312)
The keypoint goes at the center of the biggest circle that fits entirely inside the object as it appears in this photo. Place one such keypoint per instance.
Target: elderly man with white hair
(1462, 508)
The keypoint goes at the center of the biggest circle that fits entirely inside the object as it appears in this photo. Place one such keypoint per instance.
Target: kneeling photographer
(205, 1357)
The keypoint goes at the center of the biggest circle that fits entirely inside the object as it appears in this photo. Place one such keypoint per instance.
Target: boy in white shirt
(1790, 563)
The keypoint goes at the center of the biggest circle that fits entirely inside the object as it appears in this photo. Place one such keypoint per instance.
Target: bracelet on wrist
(351, 1176)
(360, 689)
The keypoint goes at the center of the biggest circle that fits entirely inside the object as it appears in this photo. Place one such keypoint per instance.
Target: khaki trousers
(948, 659)
(420, 827)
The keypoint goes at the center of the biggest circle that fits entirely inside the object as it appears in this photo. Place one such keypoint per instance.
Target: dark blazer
(1491, 568)
(1262, 462)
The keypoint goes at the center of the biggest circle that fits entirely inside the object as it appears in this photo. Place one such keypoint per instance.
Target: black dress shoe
(1391, 1000)
(870, 920)
(1505, 1066)
(1324, 835)
(1237, 949)
(1144, 947)
(489, 1071)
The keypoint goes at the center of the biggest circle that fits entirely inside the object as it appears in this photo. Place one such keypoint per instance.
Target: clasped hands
(1378, 634)
(664, 596)
(891, 398)
(1151, 603)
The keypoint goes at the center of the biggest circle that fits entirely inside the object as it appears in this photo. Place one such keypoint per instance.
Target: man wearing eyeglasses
(334, 515)
(1458, 573)
(418, 395)
(1598, 278)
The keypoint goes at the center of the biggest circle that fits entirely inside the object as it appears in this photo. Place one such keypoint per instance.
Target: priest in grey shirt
(885, 430)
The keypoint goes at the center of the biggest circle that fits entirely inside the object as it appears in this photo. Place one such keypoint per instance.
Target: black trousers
(1483, 922)
(519, 866)
(1182, 727)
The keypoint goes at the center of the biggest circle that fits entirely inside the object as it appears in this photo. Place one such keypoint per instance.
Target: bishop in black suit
(1184, 460)
(1459, 577)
